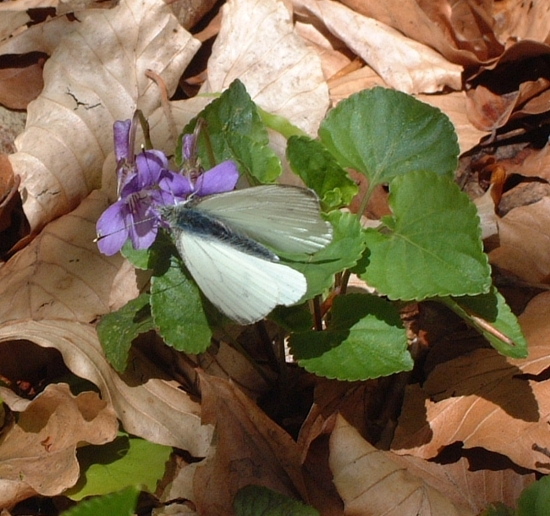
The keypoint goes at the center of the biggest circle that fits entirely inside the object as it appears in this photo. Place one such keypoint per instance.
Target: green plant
(429, 248)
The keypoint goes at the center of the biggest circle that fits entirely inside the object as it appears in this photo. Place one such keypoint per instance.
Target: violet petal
(221, 178)
(121, 131)
(111, 229)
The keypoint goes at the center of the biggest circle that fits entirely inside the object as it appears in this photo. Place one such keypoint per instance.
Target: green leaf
(123, 462)
(346, 247)
(236, 132)
(385, 133)
(498, 509)
(365, 339)
(254, 159)
(139, 258)
(296, 318)
(320, 171)
(122, 503)
(117, 330)
(535, 499)
(492, 317)
(431, 245)
(152, 258)
(258, 500)
(178, 311)
(279, 124)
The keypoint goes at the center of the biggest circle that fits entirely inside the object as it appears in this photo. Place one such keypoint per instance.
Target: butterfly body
(184, 218)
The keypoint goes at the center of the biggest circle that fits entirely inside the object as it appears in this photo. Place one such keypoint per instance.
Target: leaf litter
(462, 397)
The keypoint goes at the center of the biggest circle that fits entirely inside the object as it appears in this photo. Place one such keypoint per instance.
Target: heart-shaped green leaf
(431, 246)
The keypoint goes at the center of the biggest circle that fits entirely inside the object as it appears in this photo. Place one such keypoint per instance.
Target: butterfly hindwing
(242, 286)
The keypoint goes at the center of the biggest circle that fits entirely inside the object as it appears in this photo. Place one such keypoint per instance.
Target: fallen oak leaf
(38, 453)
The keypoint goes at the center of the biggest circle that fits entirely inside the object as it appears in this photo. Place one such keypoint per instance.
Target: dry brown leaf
(330, 50)
(515, 19)
(403, 63)
(371, 483)
(515, 85)
(18, 86)
(257, 44)
(533, 162)
(334, 397)
(251, 449)
(362, 79)
(43, 37)
(524, 242)
(485, 400)
(13, 16)
(148, 404)
(470, 484)
(68, 133)
(38, 454)
(460, 31)
(224, 361)
(62, 275)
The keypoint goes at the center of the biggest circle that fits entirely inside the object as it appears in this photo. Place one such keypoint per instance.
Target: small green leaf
(117, 330)
(258, 500)
(279, 124)
(385, 133)
(432, 244)
(535, 499)
(122, 503)
(236, 132)
(139, 258)
(492, 317)
(120, 463)
(178, 312)
(365, 339)
(346, 247)
(320, 171)
(498, 509)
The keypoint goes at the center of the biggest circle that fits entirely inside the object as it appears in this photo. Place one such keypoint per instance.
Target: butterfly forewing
(242, 286)
(284, 217)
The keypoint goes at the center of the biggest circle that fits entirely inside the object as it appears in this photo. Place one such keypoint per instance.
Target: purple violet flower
(144, 184)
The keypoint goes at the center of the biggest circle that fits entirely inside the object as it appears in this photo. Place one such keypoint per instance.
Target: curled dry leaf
(515, 85)
(403, 63)
(524, 240)
(485, 400)
(460, 31)
(371, 483)
(62, 275)
(41, 38)
(95, 76)
(147, 405)
(38, 453)
(470, 483)
(522, 20)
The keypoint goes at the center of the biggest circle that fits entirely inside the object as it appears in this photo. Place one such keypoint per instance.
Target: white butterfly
(220, 238)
